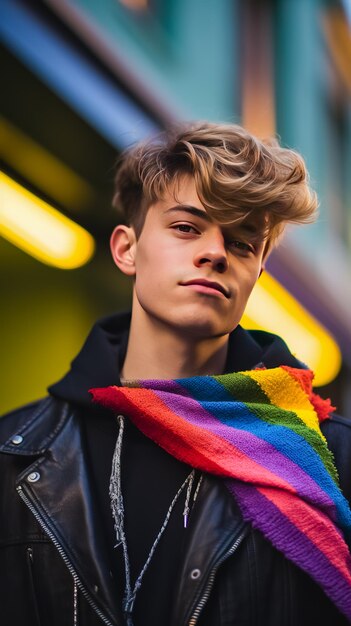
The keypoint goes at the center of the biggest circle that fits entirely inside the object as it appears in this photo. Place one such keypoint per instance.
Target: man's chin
(201, 328)
(191, 325)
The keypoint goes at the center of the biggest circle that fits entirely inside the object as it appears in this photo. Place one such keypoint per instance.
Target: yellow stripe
(284, 392)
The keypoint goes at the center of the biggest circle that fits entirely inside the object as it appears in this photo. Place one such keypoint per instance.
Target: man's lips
(208, 284)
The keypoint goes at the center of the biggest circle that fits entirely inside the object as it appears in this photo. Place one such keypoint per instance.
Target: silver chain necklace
(117, 506)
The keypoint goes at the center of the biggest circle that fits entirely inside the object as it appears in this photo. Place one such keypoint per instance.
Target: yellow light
(43, 169)
(273, 308)
(40, 230)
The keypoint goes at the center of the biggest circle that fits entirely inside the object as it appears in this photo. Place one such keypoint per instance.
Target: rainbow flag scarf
(258, 430)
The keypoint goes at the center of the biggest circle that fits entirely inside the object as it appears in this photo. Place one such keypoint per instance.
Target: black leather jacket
(54, 563)
(53, 566)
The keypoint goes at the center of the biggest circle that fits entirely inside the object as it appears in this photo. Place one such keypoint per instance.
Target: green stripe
(273, 415)
(242, 387)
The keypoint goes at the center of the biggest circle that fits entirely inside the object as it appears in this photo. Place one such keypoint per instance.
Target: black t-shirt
(150, 478)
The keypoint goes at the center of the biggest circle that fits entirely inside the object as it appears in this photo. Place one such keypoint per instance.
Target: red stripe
(323, 407)
(206, 451)
(316, 526)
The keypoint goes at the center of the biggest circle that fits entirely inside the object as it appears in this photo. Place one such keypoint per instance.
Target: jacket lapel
(215, 526)
(64, 506)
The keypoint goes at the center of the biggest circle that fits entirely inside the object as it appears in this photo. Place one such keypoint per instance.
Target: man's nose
(212, 251)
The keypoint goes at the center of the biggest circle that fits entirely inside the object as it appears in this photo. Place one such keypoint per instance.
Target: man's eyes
(185, 228)
(236, 245)
(241, 246)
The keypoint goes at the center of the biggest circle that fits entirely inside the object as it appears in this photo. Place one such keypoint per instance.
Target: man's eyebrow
(192, 210)
(245, 227)
(252, 229)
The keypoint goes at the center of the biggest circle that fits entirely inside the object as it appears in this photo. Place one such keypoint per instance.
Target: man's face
(192, 274)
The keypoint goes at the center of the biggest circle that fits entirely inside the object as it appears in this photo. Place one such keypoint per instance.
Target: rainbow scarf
(259, 430)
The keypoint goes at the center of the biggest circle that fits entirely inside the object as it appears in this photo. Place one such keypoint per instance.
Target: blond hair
(236, 175)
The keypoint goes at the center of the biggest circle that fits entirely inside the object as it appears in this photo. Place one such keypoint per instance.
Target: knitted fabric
(259, 431)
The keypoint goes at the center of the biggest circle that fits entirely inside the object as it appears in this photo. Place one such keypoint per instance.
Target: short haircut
(237, 177)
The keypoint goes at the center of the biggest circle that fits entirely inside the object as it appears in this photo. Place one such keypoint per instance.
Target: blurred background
(83, 79)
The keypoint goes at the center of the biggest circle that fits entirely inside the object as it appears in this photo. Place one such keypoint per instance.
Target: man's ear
(123, 247)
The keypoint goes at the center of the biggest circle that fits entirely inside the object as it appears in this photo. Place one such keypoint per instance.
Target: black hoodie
(150, 477)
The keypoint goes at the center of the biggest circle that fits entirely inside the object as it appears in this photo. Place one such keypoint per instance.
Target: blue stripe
(217, 401)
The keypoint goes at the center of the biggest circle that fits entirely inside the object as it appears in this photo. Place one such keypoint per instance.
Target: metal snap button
(195, 574)
(33, 477)
(17, 439)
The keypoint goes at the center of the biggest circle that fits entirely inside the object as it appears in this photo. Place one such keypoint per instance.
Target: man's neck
(157, 352)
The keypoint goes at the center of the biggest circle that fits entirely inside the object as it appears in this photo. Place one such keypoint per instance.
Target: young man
(194, 494)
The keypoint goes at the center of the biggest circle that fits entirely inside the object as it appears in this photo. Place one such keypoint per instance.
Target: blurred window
(337, 32)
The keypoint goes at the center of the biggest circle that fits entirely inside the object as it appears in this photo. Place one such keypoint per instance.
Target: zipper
(63, 555)
(30, 564)
(195, 616)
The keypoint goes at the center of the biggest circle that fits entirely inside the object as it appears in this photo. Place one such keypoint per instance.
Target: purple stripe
(293, 543)
(254, 447)
(163, 385)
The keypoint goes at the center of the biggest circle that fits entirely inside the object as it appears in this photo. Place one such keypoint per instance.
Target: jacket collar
(35, 435)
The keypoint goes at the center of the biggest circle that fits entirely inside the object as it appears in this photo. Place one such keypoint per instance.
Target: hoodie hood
(101, 358)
